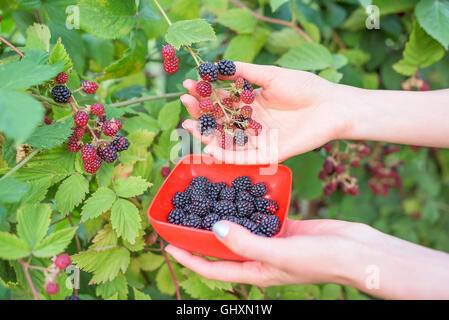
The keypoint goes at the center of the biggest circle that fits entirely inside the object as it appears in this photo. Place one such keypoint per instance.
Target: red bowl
(204, 242)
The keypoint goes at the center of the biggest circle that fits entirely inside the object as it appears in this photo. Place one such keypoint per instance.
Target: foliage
(118, 45)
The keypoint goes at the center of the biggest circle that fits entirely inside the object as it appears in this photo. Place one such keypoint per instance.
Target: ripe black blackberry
(61, 94)
(247, 86)
(188, 191)
(248, 224)
(259, 217)
(270, 226)
(214, 189)
(242, 183)
(193, 221)
(225, 208)
(244, 196)
(200, 206)
(265, 205)
(180, 200)
(208, 71)
(209, 221)
(240, 138)
(72, 298)
(200, 179)
(244, 209)
(259, 190)
(108, 154)
(227, 194)
(176, 216)
(231, 218)
(206, 124)
(120, 143)
(226, 67)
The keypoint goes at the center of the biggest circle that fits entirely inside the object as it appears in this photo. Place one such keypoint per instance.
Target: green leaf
(105, 237)
(275, 4)
(125, 220)
(118, 285)
(105, 265)
(169, 115)
(131, 187)
(47, 137)
(71, 192)
(9, 152)
(433, 16)
(55, 243)
(255, 294)
(331, 74)
(331, 292)
(11, 247)
(13, 123)
(108, 19)
(33, 222)
(430, 212)
(420, 51)
(37, 190)
(149, 261)
(38, 37)
(59, 53)
(101, 201)
(281, 41)
(133, 61)
(164, 280)
(186, 32)
(241, 48)
(12, 190)
(356, 57)
(239, 20)
(307, 56)
(138, 295)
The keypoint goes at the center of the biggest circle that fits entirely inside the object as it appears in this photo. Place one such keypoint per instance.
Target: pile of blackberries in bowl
(204, 202)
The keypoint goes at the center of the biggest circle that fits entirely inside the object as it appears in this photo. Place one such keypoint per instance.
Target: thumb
(258, 74)
(248, 245)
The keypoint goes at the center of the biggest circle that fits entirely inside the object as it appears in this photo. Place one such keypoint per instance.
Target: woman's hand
(294, 107)
(317, 251)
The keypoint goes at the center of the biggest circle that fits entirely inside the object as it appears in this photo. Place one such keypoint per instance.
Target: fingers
(258, 74)
(228, 271)
(247, 156)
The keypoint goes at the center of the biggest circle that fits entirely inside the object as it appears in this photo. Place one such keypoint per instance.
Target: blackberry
(81, 118)
(97, 109)
(240, 138)
(225, 208)
(109, 128)
(120, 143)
(193, 221)
(168, 52)
(258, 190)
(247, 86)
(244, 209)
(180, 200)
(61, 94)
(198, 192)
(208, 72)
(176, 216)
(92, 166)
(214, 189)
(239, 122)
(206, 105)
(204, 89)
(246, 112)
(200, 206)
(226, 67)
(259, 217)
(62, 78)
(248, 224)
(227, 194)
(210, 220)
(72, 298)
(244, 196)
(200, 179)
(108, 154)
(242, 183)
(270, 226)
(171, 65)
(89, 87)
(74, 144)
(88, 153)
(254, 127)
(247, 96)
(206, 124)
(188, 191)
(239, 83)
(266, 205)
(79, 131)
(231, 218)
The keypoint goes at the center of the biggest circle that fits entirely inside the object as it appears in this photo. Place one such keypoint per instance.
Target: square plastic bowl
(204, 242)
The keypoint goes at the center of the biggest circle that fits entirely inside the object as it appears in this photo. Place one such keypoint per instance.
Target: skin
(306, 112)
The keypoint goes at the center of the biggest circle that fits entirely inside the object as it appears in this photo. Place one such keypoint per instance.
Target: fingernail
(184, 83)
(182, 98)
(184, 124)
(220, 229)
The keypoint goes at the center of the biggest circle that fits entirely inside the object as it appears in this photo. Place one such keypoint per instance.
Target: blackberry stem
(219, 103)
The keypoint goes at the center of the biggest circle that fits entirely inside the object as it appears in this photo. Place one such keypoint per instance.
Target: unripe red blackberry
(208, 71)
(93, 165)
(88, 153)
(89, 87)
(247, 96)
(228, 103)
(171, 66)
(340, 168)
(51, 287)
(225, 141)
(354, 191)
(63, 261)
(79, 132)
(109, 128)
(74, 144)
(239, 83)
(217, 112)
(328, 166)
(235, 96)
(119, 124)
(206, 105)
(322, 175)
(62, 78)
(204, 89)
(246, 111)
(168, 52)
(254, 127)
(81, 118)
(165, 171)
(97, 109)
(47, 120)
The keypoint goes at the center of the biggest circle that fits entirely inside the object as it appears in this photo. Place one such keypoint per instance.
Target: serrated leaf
(105, 174)
(139, 295)
(164, 280)
(214, 284)
(186, 32)
(420, 51)
(12, 247)
(101, 201)
(105, 265)
(47, 137)
(307, 56)
(38, 37)
(59, 53)
(107, 19)
(125, 220)
(9, 152)
(55, 243)
(433, 16)
(108, 289)
(133, 61)
(37, 190)
(12, 190)
(239, 20)
(149, 261)
(71, 192)
(33, 222)
(131, 187)
(168, 117)
(106, 237)
(40, 171)
(331, 74)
